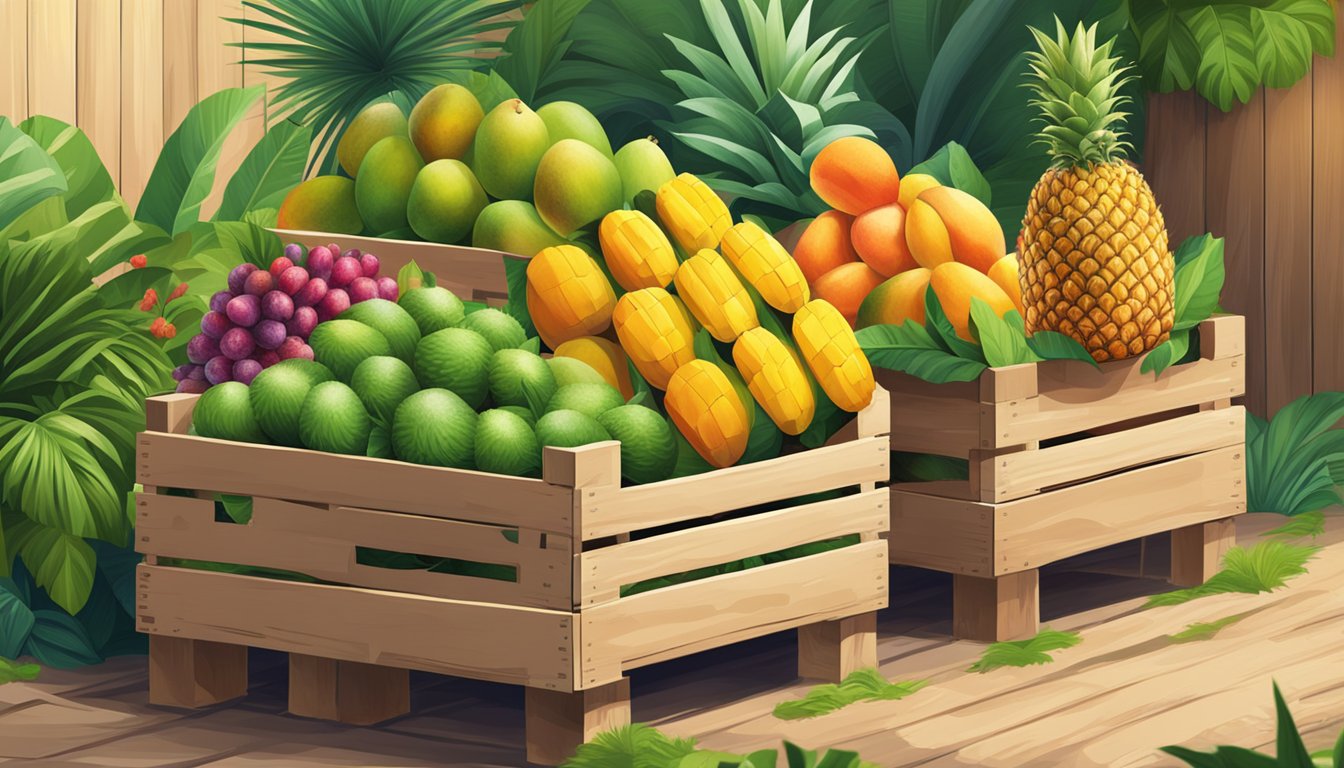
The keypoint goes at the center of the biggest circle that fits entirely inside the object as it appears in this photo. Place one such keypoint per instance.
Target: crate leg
(1197, 551)
(1002, 608)
(195, 673)
(557, 722)
(831, 650)
(347, 691)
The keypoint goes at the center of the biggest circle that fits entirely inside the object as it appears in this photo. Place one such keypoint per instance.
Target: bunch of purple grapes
(267, 315)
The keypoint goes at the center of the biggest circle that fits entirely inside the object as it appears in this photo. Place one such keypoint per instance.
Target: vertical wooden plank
(179, 62)
(1327, 233)
(1173, 161)
(98, 65)
(141, 94)
(557, 722)
(996, 609)
(831, 650)
(220, 66)
(1288, 299)
(1197, 551)
(14, 59)
(51, 60)
(1235, 210)
(195, 673)
(347, 691)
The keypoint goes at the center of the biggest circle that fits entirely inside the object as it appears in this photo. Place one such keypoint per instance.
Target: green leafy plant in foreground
(1293, 460)
(1263, 568)
(641, 746)
(1291, 750)
(12, 671)
(863, 685)
(1307, 525)
(1025, 653)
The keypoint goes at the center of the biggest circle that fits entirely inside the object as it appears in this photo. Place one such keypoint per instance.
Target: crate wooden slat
(1064, 458)
(561, 627)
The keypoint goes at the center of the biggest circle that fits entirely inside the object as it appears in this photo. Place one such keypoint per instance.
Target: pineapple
(1095, 263)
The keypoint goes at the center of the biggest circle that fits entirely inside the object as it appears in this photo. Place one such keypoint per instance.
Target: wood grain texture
(1327, 225)
(347, 692)
(180, 62)
(195, 673)
(142, 133)
(170, 413)
(14, 59)
(1235, 210)
(830, 651)
(522, 646)
(1197, 551)
(1174, 161)
(51, 63)
(557, 723)
(996, 609)
(98, 78)
(219, 65)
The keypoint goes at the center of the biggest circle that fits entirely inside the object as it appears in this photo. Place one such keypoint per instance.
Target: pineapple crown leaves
(1077, 85)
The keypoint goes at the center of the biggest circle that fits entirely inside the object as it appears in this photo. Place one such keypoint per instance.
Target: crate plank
(522, 646)
(1197, 551)
(941, 533)
(348, 692)
(181, 461)
(1016, 475)
(604, 571)
(557, 723)
(996, 609)
(683, 619)
(945, 425)
(610, 511)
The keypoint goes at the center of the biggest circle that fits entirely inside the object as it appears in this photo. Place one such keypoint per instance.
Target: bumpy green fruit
(575, 186)
(445, 201)
(509, 145)
(373, 124)
(383, 186)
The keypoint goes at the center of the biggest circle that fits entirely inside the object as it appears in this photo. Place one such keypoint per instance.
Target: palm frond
(863, 685)
(1025, 653)
(1290, 458)
(1263, 568)
(1292, 752)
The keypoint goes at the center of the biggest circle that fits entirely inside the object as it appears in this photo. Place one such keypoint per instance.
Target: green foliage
(1229, 48)
(1307, 525)
(952, 166)
(338, 56)
(640, 746)
(1025, 653)
(1289, 459)
(1291, 750)
(1205, 629)
(1263, 568)
(11, 671)
(1198, 282)
(30, 175)
(863, 685)
(268, 172)
(534, 48)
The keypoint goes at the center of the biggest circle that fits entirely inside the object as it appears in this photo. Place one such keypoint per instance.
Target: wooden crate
(476, 274)
(1065, 459)
(562, 628)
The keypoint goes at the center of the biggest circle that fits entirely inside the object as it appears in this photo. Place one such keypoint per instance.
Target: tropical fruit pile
(671, 301)
(267, 315)
(889, 239)
(513, 179)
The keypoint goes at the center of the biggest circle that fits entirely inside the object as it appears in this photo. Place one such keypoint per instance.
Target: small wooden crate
(1141, 455)
(476, 274)
(575, 537)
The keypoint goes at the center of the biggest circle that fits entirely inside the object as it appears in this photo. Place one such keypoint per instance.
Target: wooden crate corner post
(347, 692)
(998, 608)
(830, 651)
(557, 722)
(195, 673)
(1197, 550)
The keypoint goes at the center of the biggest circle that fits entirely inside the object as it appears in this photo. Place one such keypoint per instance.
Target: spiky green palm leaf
(337, 56)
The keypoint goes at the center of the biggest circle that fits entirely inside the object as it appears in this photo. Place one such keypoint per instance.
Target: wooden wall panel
(220, 66)
(141, 94)
(1174, 162)
(14, 59)
(1288, 300)
(1235, 210)
(51, 65)
(1327, 219)
(98, 78)
(179, 62)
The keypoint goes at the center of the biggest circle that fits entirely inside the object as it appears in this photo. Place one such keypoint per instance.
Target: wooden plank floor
(1111, 701)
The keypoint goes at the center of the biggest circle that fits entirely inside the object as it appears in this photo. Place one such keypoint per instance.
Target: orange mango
(946, 224)
(956, 284)
(1005, 274)
(913, 185)
(854, 175)
(879, 239)
(846, 286)
(899, 299)
(603, 356)
(825, 245)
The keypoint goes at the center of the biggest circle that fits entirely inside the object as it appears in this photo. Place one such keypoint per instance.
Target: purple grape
(269, 334)
(277, 305)
(219, 369)
(192, 386)
(245, 310)
(320, 260)
(246, 370)
(362, 289)
(387, 288)
(279, 265)
(197, 372)
(335, 250)
(239, 276)
(345, 270)
(237, 344)
(311, 294)
(181, 371)
(302, 323)
(295, 347)
(259, 283)
(353, 253)
(292, 280)
(201, 348)
(333, 304)
(215, 323)
(369, 263)
(267, 358)
(219, 301)
(294, 252)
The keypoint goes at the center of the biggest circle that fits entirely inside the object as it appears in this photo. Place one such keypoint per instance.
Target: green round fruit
(343, 344)
(506, 445)
(512, 369)
(568, 120)
(498, 328)
(277, 395)
(333, 420)
(391, 320)
(445, 201)
(643, 166)
(433, 309)
(648, 448)
(380, 442)
(382, 383)
(569, 370)
(513, 226)
(224, 412)
(373, 124)
(569, 429)
(521, 412)
(590, 399)
(457, 360)
(509, 144)
(321, 204)
(575, 186)
(383, 186)
(435, 426)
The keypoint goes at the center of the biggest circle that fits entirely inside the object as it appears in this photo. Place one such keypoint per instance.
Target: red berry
(387, 288)
(369, 263)
(139, 261)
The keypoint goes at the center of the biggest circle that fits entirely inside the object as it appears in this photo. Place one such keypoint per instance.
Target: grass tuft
(1307, 525)
(1262, 568)
(1025, 653)
(12, 671)
(863, 685)
(1205, 629)
(632, 746)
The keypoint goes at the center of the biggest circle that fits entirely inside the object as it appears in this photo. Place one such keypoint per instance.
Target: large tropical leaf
(273, 167)
(87, 180)
(61, 564)
(27, 174)
(536, 46)
(185, 171)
